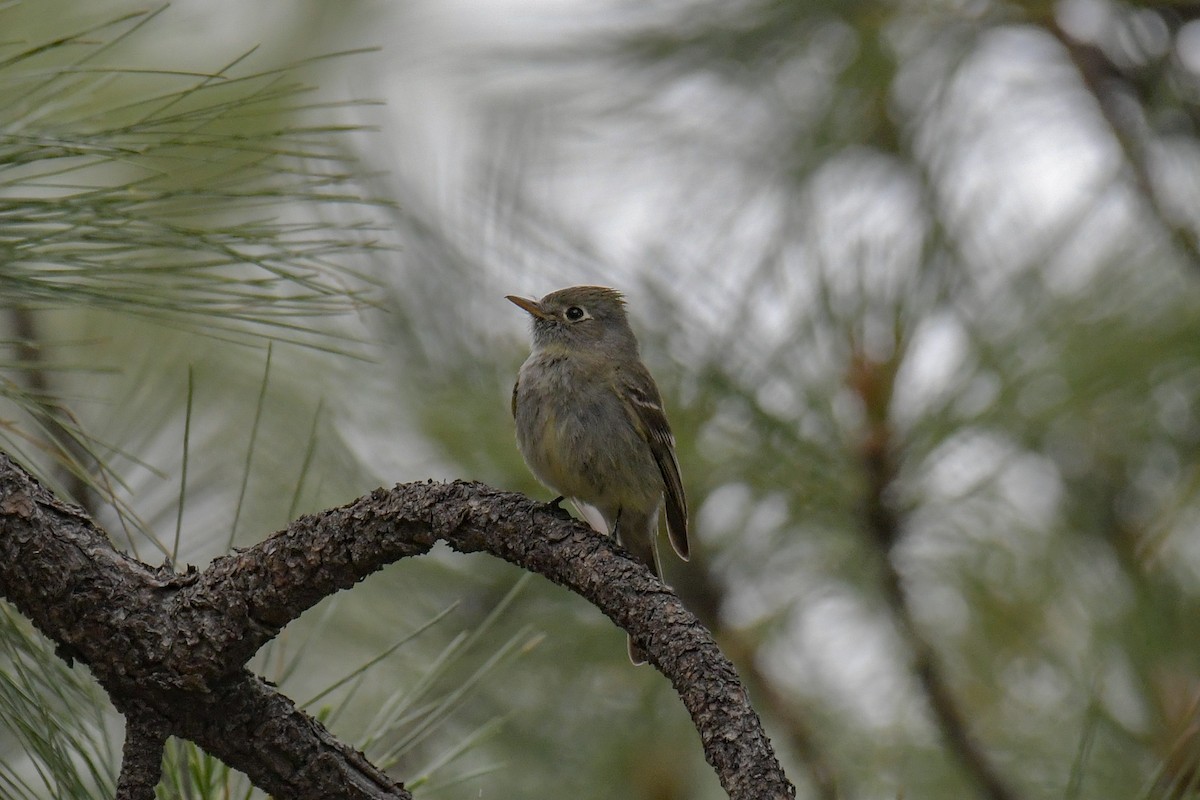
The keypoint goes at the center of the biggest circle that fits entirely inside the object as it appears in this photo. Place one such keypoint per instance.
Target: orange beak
(528, 305)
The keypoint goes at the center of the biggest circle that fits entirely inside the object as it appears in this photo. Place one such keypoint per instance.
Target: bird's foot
(555, 505)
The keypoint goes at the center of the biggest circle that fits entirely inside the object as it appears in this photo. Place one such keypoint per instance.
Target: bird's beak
(528, 305)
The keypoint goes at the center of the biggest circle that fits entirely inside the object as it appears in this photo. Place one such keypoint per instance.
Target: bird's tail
(639, 535)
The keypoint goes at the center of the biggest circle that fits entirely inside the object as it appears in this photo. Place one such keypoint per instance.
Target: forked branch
(175, 645)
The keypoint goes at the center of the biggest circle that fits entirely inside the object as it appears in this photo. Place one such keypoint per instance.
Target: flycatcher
(590, 422)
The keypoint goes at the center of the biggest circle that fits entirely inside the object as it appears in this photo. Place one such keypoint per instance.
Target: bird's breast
(575, 434)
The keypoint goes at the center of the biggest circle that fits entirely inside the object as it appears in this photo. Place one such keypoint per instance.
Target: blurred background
(920, 282)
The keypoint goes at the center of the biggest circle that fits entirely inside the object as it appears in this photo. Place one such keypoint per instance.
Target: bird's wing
(644, 404)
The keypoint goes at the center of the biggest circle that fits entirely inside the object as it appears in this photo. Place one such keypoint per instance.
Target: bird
(590, 422)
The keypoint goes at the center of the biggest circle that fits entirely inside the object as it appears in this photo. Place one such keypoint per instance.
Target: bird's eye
(575, 313)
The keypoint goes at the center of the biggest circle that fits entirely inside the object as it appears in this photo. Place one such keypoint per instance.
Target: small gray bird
(590, 422)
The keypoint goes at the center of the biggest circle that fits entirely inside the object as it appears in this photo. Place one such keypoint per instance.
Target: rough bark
(174, 645)
(141, 761)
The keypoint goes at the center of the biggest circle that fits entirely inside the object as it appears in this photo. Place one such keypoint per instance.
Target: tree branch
(705, 596)
(874, 382)
(1105, 82)
(112, 612)
(886, 529)
(250, 726)
(179, 643)
(141, 759)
